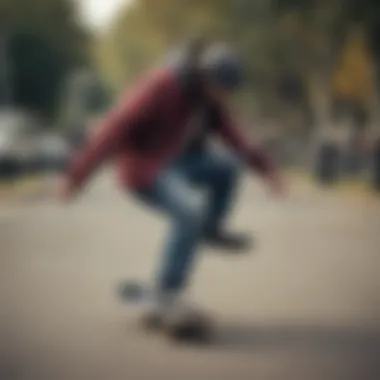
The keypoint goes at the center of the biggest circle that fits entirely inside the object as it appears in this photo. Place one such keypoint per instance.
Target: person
(159, 138)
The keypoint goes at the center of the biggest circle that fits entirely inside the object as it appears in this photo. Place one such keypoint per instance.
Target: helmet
(221, 64)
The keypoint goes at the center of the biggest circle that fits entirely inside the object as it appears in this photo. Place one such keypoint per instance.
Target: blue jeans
(195, 192)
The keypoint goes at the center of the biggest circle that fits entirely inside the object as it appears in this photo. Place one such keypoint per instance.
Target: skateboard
(190, 325)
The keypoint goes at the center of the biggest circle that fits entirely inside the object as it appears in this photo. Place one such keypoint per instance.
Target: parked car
(50, 153)
(16, 129)
(10, 165)
(25, 149)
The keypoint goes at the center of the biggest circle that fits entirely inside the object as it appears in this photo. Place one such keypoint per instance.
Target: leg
(219, 174)
(174, 195)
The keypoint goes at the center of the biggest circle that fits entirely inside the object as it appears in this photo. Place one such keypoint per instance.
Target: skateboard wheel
(194, 329)
(130, 292)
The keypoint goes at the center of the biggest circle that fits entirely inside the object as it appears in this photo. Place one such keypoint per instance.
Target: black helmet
(222, 65)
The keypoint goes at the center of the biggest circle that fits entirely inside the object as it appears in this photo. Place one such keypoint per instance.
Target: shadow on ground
(245, 336)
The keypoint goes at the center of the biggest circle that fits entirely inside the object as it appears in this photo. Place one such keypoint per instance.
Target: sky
(98, 14)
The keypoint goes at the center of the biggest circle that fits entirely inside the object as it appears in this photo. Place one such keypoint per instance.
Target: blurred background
(312, 66)
(304, 304)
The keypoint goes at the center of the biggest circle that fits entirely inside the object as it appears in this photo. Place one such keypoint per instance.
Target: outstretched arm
(255, 156)
(128, 115)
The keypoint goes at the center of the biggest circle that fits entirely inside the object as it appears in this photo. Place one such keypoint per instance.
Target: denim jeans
(196, 193)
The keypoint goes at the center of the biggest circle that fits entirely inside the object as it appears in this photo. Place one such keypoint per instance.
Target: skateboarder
(158, 137)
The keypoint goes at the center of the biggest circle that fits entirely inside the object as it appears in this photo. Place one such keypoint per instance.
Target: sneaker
(227, 241)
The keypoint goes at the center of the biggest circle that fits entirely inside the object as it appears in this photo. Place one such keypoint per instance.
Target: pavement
(303, 305)
(23, 189)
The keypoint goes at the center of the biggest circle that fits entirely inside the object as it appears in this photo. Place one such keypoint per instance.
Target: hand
(65, 190)
(276, 184)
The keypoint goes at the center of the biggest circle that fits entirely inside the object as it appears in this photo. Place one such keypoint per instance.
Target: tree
(44, 43)
(354, 75)
(287, 44)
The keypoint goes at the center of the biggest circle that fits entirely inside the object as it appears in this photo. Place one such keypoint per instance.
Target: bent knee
(191, 212)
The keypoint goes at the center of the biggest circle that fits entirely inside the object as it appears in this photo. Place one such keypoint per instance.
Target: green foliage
(291, 47)
(44, 43)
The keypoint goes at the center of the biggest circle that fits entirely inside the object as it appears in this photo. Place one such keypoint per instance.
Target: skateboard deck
(189, 325)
